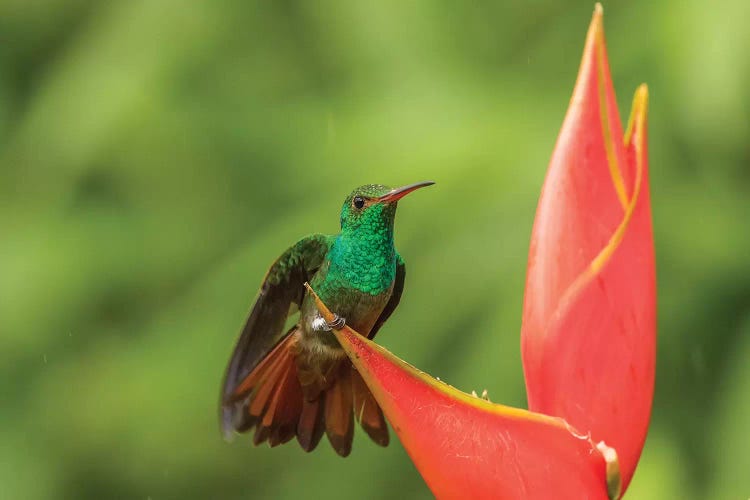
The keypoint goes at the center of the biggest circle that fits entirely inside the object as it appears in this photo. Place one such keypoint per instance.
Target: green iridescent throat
(363, 254)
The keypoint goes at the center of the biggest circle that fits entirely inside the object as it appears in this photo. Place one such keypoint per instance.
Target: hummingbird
(298, 381)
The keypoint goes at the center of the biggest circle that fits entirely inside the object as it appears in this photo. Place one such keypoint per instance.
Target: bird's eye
(358, 202)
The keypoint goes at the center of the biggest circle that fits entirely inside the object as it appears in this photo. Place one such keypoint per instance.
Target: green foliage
(156, 156)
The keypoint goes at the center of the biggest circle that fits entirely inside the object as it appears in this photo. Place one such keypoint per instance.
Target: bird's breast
(360, 309)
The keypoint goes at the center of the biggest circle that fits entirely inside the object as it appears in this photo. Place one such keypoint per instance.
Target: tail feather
(261, 434)
(237, 413)
(284, 413)
(263, 394)
(366, 410)
(255, 377)
(273, 397)
(311, 426)
(338, 413)
(279, 401)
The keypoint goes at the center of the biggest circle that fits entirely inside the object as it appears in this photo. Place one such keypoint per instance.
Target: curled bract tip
(614, 479)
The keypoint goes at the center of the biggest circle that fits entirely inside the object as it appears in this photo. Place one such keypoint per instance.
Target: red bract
(466, 447)
(589, 321)
(588, 336)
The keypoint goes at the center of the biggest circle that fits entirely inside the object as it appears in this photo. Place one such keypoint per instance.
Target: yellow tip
(638, 111)
(596, 26)
(641, 97)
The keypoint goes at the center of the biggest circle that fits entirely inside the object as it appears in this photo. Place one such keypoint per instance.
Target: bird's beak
(398, 193)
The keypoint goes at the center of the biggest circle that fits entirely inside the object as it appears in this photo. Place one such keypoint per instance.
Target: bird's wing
(398, 289)
(280, 296)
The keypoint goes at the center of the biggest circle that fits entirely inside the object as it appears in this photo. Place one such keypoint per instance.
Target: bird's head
(372, 207)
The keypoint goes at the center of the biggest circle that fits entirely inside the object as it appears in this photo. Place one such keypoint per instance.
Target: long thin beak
(398, 193)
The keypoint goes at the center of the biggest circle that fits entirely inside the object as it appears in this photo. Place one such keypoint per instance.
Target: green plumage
(305, 254)
(357, 277)
(360, 276)
(364, 257)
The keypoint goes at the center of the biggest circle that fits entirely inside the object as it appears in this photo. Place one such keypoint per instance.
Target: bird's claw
(338, 323)
(321, 324)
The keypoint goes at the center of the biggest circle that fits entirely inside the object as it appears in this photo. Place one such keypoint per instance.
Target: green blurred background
(157, 155)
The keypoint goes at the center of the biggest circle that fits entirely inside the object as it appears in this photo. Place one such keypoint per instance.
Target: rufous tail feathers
(280, 408)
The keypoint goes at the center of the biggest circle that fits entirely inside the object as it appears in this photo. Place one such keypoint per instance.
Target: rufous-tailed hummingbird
(299, 382)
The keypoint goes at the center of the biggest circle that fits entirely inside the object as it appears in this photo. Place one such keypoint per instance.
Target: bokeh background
(157, 155)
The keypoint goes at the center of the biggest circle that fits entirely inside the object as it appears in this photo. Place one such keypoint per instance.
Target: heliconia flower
(589, 319)
(588, 335)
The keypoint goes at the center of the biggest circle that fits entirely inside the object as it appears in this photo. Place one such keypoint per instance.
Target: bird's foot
(320, 324)
(338, 322)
